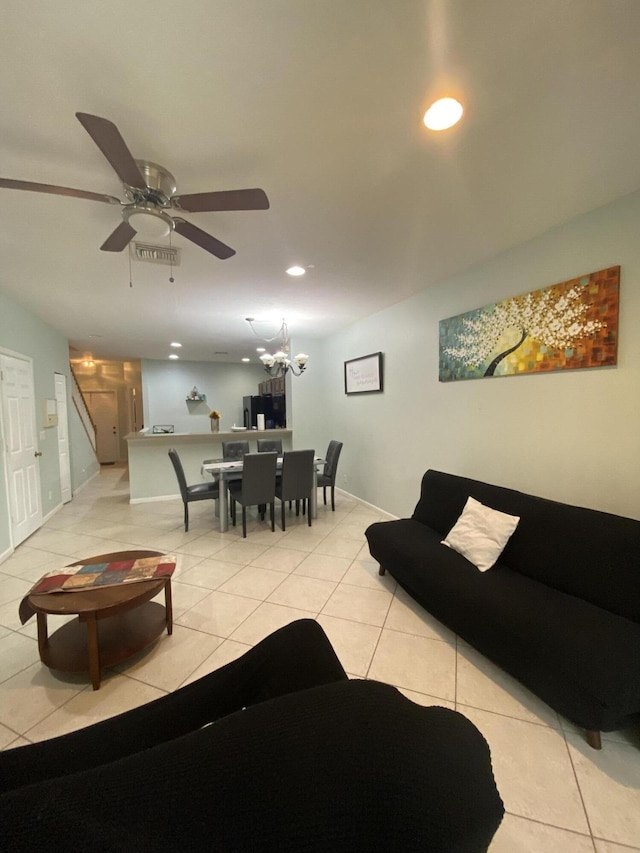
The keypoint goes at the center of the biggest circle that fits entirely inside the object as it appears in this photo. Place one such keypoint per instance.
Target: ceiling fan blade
(202, 239)
(9, 184)
(119, 239)
(108, 139)
(255, 199)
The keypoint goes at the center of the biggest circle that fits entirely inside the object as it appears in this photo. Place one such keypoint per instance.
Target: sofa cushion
(480, 534)
(583, 552)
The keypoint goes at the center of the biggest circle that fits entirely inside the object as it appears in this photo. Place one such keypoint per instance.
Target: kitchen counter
(151, 474)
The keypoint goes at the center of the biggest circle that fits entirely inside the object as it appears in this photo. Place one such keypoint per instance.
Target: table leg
(43, 635)
(93, 650)
(313, 497)
(224, 521)
(168, 604)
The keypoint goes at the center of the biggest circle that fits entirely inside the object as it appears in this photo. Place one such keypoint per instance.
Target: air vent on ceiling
(155, 254)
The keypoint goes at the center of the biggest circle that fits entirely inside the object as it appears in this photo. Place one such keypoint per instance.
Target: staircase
(83, 411)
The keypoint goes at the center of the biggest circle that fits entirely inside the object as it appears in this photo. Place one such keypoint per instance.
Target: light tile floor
(559, 794)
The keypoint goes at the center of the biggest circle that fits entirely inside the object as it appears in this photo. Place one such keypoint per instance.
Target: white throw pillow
(481, 533)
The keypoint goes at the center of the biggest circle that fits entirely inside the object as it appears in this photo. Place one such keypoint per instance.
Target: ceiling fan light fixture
(296, 270)
(443, 114)
(147, 221)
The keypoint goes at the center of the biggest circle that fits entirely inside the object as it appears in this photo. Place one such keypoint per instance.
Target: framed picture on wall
(363, 375)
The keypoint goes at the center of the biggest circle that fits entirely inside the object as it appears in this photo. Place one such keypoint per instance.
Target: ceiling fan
(150, 190)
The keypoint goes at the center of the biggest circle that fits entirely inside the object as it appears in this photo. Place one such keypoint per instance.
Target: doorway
(21, 447)
(60, 382)
(103, 406)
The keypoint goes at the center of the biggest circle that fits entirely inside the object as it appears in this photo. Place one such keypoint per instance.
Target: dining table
(224, 471)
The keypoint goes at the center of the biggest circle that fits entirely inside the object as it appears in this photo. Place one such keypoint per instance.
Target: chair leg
(233, 512)
(324, 494)
(309, 516)
(297, 507)
(244, 521)
(282, 516)
(272, 507)
(304, 505)
(186, 517)
(333, 499)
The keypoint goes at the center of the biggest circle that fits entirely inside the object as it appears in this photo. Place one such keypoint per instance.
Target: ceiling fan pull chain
(171, 278)
(130, 276)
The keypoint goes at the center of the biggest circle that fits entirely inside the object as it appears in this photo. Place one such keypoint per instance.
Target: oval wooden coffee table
(120, 620)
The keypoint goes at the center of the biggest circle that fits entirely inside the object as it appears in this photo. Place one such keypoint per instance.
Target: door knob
(38, 453)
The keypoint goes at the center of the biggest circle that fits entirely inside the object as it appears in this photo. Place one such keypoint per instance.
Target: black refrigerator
(269, 405)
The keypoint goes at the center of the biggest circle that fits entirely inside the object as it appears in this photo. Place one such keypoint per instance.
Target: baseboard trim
(6, 554)
(51, 513)
(154, 499)
(86, 482)
(375, 508)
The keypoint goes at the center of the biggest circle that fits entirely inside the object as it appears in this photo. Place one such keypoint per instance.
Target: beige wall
(572, 435)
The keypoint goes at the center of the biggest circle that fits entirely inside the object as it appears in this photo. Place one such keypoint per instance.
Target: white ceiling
(319, 102)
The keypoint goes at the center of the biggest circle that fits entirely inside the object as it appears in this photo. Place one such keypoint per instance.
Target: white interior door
(21, 449)
(103, 406)
(63, 436)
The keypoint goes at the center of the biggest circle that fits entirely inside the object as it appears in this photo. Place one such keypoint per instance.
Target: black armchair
(189, 494)
(296, 481)
(384, 773)
(256, 488)
(328, 476)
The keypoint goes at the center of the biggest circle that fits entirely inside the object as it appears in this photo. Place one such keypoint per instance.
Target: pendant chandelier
(279, 364)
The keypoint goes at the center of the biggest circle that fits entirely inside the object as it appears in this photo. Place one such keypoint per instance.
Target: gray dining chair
(270, 445)
(328, 476)
(256, 488)
(189, 494)
(296, 480)
(234, 450)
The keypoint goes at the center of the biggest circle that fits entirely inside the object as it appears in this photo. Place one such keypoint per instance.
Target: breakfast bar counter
(151, 475)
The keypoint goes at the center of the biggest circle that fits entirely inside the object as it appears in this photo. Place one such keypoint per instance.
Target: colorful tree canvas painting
(566, 326)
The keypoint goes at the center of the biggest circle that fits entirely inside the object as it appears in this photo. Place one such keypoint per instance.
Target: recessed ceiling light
(443, 114)
(295, 270)
(176, 344)
(173, 355)
(260, 349)
(246, 359)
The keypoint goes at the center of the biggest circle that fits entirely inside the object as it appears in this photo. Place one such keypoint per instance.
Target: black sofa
(560, 609)
(277, 751)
